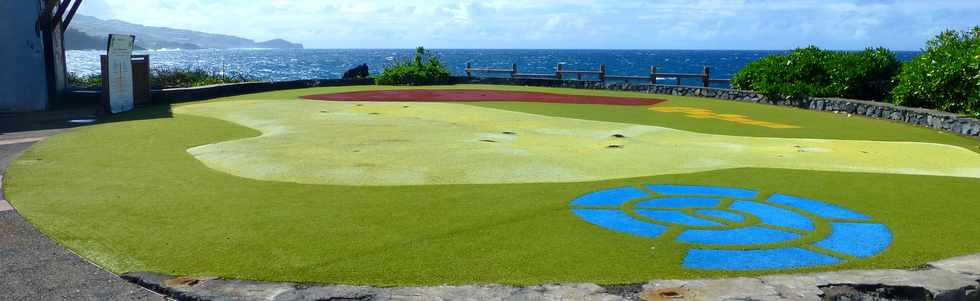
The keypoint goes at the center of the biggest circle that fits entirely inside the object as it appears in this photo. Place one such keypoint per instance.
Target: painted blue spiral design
(737, 229)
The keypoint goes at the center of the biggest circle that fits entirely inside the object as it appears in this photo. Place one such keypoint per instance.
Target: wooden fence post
(707, 75)
(468, 66)
(558, 71)
(653, 75)
(602, 73)
(513, 70)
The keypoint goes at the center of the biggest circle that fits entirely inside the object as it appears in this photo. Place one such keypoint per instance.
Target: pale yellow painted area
(378, 143)
(699, 113)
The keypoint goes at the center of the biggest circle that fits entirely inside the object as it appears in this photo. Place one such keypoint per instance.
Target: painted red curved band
(479, 95)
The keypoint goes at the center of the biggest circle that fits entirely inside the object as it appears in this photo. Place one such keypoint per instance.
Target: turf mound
(480, 95)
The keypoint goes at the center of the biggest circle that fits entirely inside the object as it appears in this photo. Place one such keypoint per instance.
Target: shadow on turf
(11, 122)
(141, 113)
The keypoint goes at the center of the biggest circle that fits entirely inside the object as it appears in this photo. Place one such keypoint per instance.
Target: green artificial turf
(127, 195)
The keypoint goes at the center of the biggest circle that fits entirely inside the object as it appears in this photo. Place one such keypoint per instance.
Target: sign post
(120, 69)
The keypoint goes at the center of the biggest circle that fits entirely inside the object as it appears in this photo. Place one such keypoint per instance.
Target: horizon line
(573, 49)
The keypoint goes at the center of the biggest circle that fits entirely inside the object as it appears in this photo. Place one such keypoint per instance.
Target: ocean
(291, 64)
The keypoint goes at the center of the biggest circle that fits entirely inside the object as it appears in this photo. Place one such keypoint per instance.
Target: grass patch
(128, 196)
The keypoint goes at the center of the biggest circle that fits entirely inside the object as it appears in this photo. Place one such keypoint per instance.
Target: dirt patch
(187, 281)
(480, 95)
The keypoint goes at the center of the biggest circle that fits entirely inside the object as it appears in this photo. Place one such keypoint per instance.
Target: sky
(560, 24)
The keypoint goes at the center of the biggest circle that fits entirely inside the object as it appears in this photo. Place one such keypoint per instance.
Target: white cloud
(690, 24)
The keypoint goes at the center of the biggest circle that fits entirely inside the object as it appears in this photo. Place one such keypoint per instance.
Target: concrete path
(32, 267)
(954, 279)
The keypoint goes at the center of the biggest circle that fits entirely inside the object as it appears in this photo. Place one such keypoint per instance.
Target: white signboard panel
(120, 77)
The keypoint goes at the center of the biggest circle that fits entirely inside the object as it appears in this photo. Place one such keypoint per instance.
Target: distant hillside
(77, 40)
(89, 29)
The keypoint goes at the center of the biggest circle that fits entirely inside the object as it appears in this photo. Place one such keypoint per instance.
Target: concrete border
(176, 95)
(4, 205)
(952, 279)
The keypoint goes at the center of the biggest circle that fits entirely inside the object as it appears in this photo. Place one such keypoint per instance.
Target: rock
(969, 265)
(361, 71)
(334, 292)
(222, 289)
(710, 290)
(938, 284)
(819, 105)
(895, 115)
(211, 289)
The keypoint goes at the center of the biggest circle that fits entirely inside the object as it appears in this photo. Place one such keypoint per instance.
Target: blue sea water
(289, 64)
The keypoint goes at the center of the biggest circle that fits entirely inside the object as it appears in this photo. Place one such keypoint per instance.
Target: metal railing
(562, 74)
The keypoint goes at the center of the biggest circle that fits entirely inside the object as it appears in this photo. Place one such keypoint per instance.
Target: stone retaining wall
(939, 120)
(225, 90)
(174, 95)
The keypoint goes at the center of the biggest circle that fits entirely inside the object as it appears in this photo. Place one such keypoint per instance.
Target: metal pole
(71, 13)
(707, 75)
(653, 75)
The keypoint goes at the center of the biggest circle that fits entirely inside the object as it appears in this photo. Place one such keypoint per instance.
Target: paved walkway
(32, 267)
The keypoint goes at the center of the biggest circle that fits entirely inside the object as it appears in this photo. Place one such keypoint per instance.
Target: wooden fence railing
(562, 74)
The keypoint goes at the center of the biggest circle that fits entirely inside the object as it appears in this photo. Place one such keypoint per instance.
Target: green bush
(814, 72)
(868, 75)
(165, 78)
(183, 78)
(425, 69)
(801, 73)
(946, 76)
(89, 81)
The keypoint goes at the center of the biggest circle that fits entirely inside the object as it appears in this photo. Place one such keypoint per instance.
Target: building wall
(23, 83)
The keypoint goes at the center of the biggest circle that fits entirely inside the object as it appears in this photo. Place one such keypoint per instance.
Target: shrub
(165, 78)
(869, 74)
(946, 76)
(814, 72)
(425, 69)
(89, 81)
(183, 78)
(801, 73)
